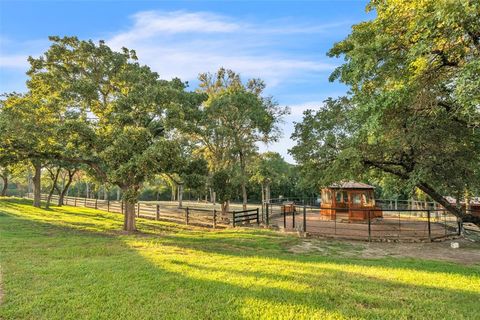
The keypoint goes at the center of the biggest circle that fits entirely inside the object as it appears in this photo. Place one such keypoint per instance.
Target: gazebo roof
(350, 185)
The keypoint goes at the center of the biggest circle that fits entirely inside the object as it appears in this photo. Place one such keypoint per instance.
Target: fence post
(369, 227)
(157, 217)
(266, 212)
(121, 206)
(284, 217)
(304, 218)
(263, 212)
(85, 203)
(96, 203)
(429, 226)
(214, 218)
(258, 219)
(233, 218)
(293, 218)
(108, 205)
(186, 216)
(460, 225)
(138, 209)
(75, 202)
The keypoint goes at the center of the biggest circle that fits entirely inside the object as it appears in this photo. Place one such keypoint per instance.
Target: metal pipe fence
(391, 224)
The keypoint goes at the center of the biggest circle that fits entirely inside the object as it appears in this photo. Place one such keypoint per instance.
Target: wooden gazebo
(349, 201)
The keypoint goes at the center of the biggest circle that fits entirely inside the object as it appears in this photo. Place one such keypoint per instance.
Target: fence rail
(394, 224)
(246, 216)
(152, 210)
(399, 224)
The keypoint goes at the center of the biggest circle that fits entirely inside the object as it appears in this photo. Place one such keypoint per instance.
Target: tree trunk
(130, 197)
(267, 192)
(456, 211)
(63, 184)
(468, 206)
(244, 187)
(61, 197)
(222, 205)
(129, 216)
(37, 195)
(225, 206)
(49, 197)
(29, 179)
(244, 196)
(52, 189)
(263, 194)
(64, 191)
(180, 195)
(5, 184)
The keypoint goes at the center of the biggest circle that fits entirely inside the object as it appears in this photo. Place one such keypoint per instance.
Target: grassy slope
(72, 263)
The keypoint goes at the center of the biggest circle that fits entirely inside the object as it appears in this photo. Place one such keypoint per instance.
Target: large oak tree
(126, 135)
(229, 124)
(414, 105)
(31, 126)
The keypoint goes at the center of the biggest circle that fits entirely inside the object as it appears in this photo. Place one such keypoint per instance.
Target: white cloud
(13, 61)
(151, 23)
(286, 28)
(14, 53)
(298, 109)
(183, 44)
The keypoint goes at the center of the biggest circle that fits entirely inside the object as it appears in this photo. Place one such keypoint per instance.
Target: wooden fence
(165, 211)
(245, 216)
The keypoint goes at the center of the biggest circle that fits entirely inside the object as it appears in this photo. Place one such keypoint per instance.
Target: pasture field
(75, 263)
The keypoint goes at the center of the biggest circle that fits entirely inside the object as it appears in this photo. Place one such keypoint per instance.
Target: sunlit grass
(75, 263)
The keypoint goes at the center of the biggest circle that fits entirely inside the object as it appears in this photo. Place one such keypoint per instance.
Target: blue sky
(282, 42)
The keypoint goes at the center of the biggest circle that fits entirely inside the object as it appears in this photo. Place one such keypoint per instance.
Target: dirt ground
(467, 253)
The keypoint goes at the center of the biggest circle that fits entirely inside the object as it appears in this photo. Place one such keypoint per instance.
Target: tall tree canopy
(32, 127)
(269, 169)
(232, 120)
(126, 136)
(414, 107)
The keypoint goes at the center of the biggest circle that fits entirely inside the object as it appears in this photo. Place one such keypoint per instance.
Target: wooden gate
(246, 216)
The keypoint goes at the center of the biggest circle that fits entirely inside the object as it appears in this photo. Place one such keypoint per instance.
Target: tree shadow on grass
(237, 242)
(78, 273)
(253, 244)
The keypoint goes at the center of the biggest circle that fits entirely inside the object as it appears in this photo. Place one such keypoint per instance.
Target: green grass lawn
(74, 263)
